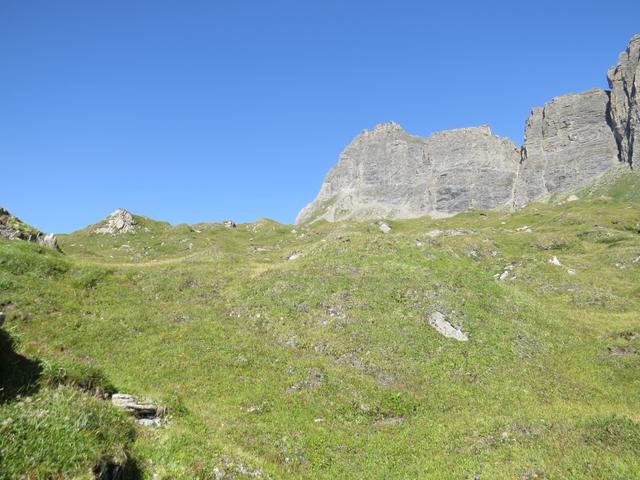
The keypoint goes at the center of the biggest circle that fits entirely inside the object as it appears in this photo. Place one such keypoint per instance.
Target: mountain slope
(326, 365)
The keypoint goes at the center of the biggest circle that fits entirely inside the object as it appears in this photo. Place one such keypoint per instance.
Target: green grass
(326, 366)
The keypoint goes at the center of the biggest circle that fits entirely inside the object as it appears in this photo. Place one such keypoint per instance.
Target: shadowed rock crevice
(624, 80)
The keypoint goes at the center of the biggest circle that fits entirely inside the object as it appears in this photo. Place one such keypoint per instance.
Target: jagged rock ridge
(573, 139)
(13, 228)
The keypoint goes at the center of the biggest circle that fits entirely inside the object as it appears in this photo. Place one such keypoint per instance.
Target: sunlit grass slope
(325, 366)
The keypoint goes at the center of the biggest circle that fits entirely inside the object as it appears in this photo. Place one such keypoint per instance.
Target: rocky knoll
(15, 229)
(569, 142)
(120, 221)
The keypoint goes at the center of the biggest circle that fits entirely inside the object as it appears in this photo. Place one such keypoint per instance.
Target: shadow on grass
(18, 374)
(108, 470)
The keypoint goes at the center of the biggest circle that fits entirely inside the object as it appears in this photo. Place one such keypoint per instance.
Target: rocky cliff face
(624, 81)
(386, 172)
(569, 142)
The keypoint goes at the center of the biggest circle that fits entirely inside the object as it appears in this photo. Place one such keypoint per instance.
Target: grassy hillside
(325, 366)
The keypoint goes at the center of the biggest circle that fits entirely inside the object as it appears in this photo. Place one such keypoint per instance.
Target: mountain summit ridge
(570, 141)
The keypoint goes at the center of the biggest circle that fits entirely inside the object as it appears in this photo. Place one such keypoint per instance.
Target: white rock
(555, 261)
(119, 221)
(572, 198)
(434, 233)
(438, 321)
(384, 228)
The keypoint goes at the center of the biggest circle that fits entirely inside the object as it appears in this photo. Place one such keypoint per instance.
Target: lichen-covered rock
(624, 81)
(387, 173)
(567, 143)
(13, 228)
(119, 221)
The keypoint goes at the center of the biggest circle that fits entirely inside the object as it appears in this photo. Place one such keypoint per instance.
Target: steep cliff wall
(569, 142)
(624, 81)
(386, 172)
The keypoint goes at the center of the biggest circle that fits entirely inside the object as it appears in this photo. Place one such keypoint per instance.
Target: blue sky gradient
(191, 111)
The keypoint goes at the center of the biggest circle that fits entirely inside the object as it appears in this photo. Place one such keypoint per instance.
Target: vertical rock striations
(624, 81)
(386, 172)
(567, 143)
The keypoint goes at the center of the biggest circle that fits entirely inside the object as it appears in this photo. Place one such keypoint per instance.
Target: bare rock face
(572, 140)
(567, 143)
(624, 81)
(389, 173)
(15, 229)
(118, 222)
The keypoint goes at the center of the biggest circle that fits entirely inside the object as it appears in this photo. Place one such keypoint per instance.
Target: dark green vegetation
(325, 366)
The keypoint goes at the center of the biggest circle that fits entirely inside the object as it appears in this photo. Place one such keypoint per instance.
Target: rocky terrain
(573, 139)
(488, 345)
(499, 343)
(120, 221)
(568, 143)
(13, 228)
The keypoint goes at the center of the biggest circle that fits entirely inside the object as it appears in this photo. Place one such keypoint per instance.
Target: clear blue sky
(192, 111)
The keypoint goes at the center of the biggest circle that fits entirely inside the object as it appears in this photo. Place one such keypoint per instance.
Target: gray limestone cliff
(386, 172)
(569, 142)
(624, 81)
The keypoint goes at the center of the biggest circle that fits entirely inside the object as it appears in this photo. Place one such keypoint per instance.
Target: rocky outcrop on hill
(624, 81)
(571, 141)
(118, 222)
(15, 229)
(567, 143)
